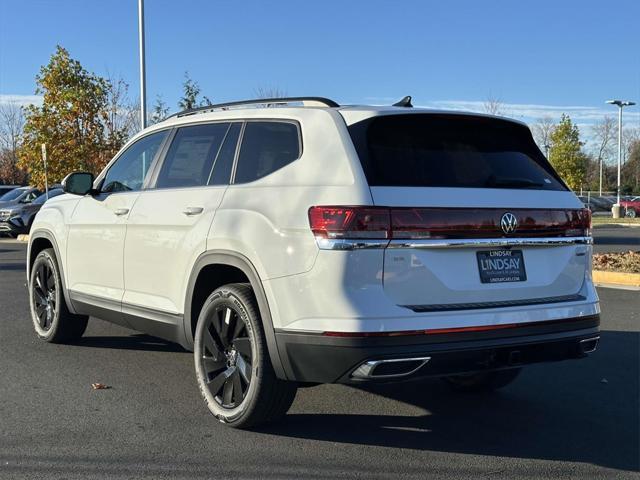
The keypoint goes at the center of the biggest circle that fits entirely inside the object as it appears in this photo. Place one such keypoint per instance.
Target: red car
(631, 207)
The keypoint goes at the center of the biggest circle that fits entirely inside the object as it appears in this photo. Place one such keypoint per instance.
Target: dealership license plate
(499, 266)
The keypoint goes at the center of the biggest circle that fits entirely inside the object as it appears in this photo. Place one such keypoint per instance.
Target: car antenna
(405, 102)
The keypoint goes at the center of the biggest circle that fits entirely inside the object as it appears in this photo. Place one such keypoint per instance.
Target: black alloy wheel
(226, 356)
(44, 296)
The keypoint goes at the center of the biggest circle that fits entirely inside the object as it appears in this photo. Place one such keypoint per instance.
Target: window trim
(97, 184)
(241, 140)
(153, 180)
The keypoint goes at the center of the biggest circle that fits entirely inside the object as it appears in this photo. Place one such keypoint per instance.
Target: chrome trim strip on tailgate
(358, 244)
(498, 304)
(490, 242)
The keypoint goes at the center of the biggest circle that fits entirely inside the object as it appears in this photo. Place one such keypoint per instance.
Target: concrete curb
(616, 279)
(23, 238)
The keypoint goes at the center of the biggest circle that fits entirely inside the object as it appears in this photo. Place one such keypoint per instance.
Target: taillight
(579, 223)
(350, 222)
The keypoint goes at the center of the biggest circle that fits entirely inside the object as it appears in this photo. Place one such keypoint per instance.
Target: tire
(483, 381)
(631, 213)
(233, 368)
(52, 320)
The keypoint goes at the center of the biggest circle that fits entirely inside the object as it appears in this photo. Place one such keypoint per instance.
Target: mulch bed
(626, 262)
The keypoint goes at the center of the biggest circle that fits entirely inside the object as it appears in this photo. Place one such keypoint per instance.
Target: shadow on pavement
(130, 342)
(618, 240)
(558, 412)
(12, 266)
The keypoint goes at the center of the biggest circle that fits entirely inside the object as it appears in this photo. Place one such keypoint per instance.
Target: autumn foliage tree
(566, 154)
(75, 121)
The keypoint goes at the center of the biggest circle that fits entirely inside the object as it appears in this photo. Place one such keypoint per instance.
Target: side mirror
(78, 183)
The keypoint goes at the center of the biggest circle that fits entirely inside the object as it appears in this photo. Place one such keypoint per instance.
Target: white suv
(312, 243)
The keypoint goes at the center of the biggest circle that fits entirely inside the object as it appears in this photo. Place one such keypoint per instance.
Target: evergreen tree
(566, 154)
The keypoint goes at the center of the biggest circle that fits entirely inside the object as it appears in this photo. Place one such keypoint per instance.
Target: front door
(97, 227)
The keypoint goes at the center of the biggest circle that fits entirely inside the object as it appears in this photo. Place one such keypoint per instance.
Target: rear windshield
(432, 150)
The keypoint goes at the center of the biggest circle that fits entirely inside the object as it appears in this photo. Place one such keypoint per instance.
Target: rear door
(479, 216)
(168, 226)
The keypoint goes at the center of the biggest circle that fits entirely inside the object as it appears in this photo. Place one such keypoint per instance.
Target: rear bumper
(312, 357)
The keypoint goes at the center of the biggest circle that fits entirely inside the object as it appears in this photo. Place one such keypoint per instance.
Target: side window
(221, 173)
(130, 169)
(266, 147)
(191, 157)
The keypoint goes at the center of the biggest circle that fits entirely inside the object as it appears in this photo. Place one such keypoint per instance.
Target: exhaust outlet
(389, 368)
(589, 345)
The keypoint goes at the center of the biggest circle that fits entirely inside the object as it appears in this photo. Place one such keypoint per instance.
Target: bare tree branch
(542, 130)
(493, 106)
(269, 92)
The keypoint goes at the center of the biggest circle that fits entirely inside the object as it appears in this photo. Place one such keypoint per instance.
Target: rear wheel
(631, 213)
(52, 320)
(483, 381)
(232, 363)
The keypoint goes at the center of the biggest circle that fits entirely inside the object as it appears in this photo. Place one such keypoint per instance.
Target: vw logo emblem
(509, 222)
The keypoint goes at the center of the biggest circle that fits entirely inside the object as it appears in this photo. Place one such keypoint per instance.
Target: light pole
(143, 81)
(621, 104)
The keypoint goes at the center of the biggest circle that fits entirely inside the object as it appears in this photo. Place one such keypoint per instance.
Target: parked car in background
(585, 201)
(631, 208)
(18, 218)
(7, 188)
(19, 195)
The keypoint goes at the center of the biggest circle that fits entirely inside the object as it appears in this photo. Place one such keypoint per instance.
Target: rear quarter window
(266, 147)
(431, 150)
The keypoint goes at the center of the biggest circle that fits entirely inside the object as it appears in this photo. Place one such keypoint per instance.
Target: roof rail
(310, 101)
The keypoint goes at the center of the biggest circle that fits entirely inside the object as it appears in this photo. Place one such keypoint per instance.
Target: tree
(542, 130)
(603, 133)
(191, 91)
(159, 111)
(120, 117)
(11, 125)
(269, 92)
(566, 154)
(629, 137)
(77, 121)
(631, 170)
(493, 106)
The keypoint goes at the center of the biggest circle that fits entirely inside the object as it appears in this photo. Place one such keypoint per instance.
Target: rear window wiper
(512, 182)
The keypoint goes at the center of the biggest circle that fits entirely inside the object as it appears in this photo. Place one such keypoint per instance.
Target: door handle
(190, 211)
(121, 211)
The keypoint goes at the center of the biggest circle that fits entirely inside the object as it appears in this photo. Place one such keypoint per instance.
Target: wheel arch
(233, 264)
(41, 240)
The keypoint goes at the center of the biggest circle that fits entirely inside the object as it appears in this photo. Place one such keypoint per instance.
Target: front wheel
(631, 213)
(52, 320)
(232, 363)
(483, 381)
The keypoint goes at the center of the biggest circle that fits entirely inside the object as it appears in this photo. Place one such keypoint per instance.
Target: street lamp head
(620, 103)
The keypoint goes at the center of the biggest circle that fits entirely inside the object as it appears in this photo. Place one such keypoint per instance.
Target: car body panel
(95, 245)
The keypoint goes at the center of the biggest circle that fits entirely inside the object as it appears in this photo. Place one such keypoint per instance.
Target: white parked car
(312, 243)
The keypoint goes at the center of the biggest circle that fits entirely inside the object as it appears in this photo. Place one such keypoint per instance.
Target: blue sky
(539, 57)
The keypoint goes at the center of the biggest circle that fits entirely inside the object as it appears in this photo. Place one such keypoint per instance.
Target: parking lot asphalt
(576, 419)
(616, 239)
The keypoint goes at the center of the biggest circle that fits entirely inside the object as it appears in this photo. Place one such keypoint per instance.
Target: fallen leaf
(99, 386)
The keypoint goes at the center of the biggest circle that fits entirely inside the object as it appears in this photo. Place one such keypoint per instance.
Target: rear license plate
(499, 266)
